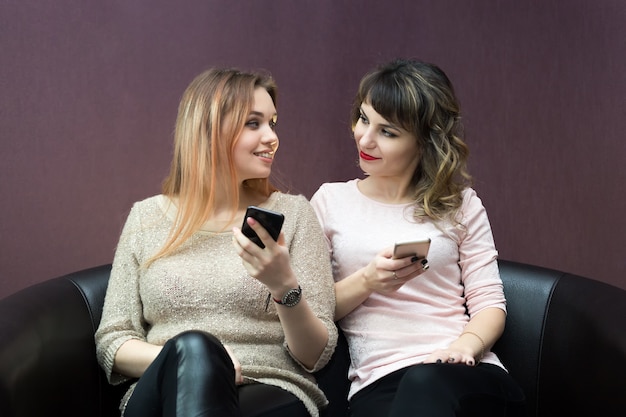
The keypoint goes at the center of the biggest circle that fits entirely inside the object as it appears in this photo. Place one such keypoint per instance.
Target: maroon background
(89, 91)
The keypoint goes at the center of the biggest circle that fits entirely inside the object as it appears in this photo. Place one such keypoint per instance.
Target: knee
(427, 389)
(195, 343)
(427, 377)
(421, 374)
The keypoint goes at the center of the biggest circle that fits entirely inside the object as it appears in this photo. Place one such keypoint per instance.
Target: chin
(259, 176)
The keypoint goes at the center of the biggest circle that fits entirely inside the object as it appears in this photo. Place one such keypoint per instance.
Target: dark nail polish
(414, 259)
(424, 261)
(439, 361)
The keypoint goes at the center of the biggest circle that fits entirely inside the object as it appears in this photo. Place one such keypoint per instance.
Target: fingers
(264, 235)
(260, 231)
(247, 245)
(451, 357)
(425, 265)
(270, 265)
(388, 275)
(236, 365)
(414, 269)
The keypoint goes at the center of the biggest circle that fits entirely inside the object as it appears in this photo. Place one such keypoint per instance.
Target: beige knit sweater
(204, 286)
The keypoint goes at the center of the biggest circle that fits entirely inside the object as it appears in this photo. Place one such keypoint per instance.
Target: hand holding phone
(272, 221)
(417, 248)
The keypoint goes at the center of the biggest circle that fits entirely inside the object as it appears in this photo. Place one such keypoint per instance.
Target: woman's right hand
(270, 265)
(385, 275)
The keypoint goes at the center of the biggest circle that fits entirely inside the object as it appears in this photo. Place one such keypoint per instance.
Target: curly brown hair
(419, 97)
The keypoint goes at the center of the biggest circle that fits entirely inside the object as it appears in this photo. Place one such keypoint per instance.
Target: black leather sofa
(565, 342)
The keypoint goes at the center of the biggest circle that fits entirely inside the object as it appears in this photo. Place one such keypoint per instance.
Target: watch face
(292, 297)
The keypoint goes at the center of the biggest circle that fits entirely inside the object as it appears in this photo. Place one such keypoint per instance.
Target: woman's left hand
(451, 355)
(236, 365)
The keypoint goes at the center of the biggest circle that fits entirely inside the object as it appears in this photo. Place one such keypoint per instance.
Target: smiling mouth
(367, 157)
(269, 155)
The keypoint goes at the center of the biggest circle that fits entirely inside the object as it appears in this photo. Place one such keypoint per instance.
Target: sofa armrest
(47, 352)
(564, 341)
(528, 290)
(583, 361)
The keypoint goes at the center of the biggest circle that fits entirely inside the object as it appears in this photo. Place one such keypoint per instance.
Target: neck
(387, 190)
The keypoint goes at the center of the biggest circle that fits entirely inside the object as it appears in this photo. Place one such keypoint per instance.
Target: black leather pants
(193, 376)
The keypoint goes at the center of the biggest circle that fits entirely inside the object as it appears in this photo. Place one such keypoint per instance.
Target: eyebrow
(389, 126)
(261, 114)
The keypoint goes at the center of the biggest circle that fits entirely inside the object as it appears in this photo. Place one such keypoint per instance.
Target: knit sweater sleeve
(122, 311)
(310, 262)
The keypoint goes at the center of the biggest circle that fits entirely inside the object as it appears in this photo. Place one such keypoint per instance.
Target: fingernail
(424, 261)
(450, 359)
(414, 259)
(439, 361)
(470, 363)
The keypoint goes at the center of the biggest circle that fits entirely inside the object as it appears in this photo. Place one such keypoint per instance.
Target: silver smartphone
(417, 248)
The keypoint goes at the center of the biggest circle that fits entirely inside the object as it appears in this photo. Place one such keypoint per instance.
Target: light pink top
(393, 331)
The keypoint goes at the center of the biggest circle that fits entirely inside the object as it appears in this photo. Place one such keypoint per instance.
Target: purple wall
(89, 92)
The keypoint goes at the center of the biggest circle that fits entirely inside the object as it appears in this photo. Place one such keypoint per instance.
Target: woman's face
(254, 151)
(385, 150)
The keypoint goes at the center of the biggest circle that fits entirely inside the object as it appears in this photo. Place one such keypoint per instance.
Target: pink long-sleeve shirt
(392, 331)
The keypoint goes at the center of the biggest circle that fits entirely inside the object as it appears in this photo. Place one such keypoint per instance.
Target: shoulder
(298, 211)
(150, 202)
(336, 187)
(150, 209)
(294, 206)
(471, 201)
(279, 200)
(330, 190)
(472, 210)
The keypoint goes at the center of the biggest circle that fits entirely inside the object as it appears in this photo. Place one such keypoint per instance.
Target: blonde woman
(188, 316)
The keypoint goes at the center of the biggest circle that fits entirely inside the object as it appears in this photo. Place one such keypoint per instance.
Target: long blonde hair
(211, 116)
(419, 97)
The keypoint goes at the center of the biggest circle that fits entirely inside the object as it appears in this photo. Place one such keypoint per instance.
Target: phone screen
(272, 221)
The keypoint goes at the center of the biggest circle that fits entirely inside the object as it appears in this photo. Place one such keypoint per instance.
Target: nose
(363, 136)
(270, 138)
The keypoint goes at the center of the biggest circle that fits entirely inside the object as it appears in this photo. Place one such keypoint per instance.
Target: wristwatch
(291, 298)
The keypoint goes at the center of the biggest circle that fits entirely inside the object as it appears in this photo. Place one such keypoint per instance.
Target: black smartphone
(272, 221)
(417, 248)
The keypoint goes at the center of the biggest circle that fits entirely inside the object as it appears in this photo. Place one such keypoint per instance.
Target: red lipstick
(367, 157)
